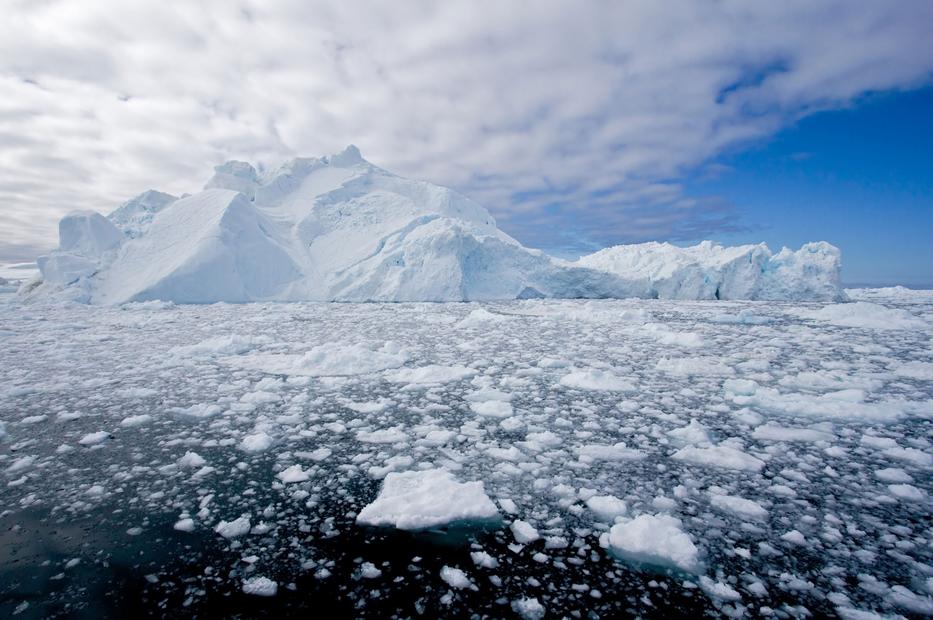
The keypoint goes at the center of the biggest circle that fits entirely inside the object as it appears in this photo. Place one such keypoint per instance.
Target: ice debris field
(531, 459)
(338, 228)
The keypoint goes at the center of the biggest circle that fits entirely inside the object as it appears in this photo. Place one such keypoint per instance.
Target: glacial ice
(338, 228)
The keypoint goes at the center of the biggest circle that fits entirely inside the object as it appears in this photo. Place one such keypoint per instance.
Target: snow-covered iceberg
(338, 228)
(711, 271)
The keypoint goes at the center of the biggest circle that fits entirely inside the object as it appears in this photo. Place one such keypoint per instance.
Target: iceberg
(338, 228)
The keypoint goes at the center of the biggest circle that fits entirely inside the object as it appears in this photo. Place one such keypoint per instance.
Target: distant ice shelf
(338, 228)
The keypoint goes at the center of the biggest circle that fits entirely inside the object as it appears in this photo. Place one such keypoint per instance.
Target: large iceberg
(338, 228)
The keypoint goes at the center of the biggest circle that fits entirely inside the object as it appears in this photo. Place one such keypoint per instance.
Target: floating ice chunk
(199, 411)
(368, 570)
(739, 506)
(694, 434)
(184, 525)
(23, 462)
(331, 359)
(456, 578)
(484, 560)
(742, 317)
(92, 439)
(907, 492)
(607, 507)
(922, 371)
(719, 590)
(842, 404)
(436, 437)
(191, 459)
(722, 456)
(321, 454)
(260, 586)
(492, 408)
(232, 344)
(893, 474)
(911, 455)
(794, 537)
(687, 340)
(374, 406)
(906, 599)
(292, 474)
(829, 380)
(395, 434)
(865, 315)
(524, 532)
(233, 529)
(653, 540)
(432, 373)
(256, 442)
(417, 500)
(393, 463)
(615, 452)
(481, 318)
(508, 505)
(689, 366)
(596, 379)
(773, 432)
(528, 609)
(135, 420)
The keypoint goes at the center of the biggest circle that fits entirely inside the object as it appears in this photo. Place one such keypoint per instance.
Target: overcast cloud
(571, 121)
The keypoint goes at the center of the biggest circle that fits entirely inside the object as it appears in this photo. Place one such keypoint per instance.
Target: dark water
(163, 573)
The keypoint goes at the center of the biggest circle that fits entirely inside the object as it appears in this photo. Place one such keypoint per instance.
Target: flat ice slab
(417, 500)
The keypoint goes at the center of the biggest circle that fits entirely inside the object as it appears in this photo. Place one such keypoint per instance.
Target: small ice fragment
(260, 586)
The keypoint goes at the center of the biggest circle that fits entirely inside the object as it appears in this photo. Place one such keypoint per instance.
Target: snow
(338, 228)
(653, 540)
(415, 500)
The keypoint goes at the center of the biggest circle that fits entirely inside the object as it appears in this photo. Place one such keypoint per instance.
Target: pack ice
(338, 228)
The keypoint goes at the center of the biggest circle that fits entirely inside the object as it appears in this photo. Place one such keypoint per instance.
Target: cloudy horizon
(577, 128)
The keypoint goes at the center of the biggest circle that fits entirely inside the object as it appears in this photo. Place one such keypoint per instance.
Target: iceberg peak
(346, 158)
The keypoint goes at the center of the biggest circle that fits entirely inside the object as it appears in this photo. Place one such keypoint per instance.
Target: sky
(577, 124)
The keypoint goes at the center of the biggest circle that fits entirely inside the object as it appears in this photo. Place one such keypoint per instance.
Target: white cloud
(569, 120)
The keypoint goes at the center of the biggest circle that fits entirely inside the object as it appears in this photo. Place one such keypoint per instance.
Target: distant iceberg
(338, 228)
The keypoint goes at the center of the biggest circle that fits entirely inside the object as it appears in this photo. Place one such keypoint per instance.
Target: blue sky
(860, 178)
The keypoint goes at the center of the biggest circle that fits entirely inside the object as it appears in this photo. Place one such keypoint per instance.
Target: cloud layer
(571, 121)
